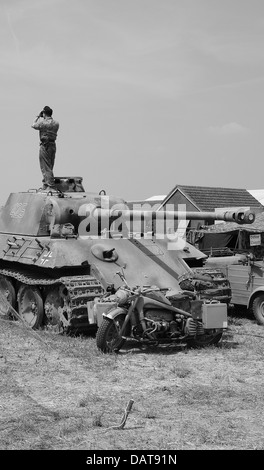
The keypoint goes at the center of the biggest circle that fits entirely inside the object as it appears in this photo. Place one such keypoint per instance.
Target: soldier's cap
(47, 110)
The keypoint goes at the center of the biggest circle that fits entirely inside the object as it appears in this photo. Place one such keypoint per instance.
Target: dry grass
(59, 392)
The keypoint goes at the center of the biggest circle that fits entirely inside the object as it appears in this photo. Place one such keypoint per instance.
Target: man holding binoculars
(48, 129)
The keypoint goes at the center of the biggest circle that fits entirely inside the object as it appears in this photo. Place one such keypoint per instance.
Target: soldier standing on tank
(48, 129)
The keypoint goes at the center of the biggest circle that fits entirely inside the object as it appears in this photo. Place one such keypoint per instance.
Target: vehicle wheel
(258, 309)
(7, 295)
(30, 305)
(207, 339)
(107, 337)
(56, 302)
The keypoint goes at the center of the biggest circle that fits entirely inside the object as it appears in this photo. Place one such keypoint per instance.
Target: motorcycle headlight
(121, 297)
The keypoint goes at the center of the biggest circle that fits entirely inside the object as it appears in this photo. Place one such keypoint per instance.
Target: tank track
(220, 288)
(80, 288)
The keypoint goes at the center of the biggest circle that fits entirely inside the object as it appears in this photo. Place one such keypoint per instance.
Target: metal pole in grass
(124, 417)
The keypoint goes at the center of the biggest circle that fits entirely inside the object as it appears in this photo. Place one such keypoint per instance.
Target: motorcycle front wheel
(108, 337)
(209, 338)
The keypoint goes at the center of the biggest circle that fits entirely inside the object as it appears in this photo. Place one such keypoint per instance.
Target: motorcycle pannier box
(214, 315)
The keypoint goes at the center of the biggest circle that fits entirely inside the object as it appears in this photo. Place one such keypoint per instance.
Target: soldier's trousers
(47, 153)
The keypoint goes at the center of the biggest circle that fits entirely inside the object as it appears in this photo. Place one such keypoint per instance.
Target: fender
(114, 312)
(253, 294)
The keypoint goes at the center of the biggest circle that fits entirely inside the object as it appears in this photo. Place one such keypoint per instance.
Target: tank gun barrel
(239, 216)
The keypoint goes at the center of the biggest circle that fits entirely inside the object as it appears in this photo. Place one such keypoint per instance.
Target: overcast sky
(148, 93)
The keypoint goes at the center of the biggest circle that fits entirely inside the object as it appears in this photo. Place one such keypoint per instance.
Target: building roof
(207, 198)
(258, 194)
(153, 201)
(156, 198)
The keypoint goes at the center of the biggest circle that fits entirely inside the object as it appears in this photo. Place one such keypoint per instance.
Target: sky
(148, 93)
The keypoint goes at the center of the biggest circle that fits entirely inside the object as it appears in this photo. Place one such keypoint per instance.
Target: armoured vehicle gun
(59, 252)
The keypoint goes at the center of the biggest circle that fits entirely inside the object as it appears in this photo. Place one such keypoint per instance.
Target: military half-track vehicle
(58, 253)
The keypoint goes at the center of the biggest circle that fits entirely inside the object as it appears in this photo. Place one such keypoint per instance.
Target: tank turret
(59, 250)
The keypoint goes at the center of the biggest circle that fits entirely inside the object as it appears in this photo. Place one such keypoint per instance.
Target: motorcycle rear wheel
(205, 340)
(108, 335)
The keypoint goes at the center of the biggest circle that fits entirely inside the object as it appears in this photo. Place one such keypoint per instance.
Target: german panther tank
(61, 249)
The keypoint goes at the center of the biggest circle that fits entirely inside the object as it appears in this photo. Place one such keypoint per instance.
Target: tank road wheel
(57, 304)
(7, 294)
(30, 305)
(107, 337)
(258, 309)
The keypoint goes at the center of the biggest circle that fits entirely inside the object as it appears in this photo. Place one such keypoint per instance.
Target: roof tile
(209, 198)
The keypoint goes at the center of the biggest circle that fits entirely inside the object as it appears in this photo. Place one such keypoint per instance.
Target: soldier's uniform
(48, 129)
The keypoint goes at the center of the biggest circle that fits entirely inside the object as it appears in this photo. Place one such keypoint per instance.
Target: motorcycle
(149, 317)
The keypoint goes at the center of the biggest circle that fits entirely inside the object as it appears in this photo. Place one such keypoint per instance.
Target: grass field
(60, 392)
